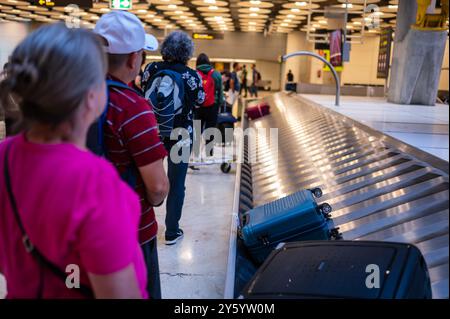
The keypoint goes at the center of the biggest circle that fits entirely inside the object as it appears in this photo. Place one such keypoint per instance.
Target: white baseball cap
(124, 33)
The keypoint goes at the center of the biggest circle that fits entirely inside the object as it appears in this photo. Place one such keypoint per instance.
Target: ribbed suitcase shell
(292, 218)
(338, 269)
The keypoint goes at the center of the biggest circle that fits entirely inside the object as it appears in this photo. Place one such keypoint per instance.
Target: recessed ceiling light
(253, 14)
(300, 4)
(255, 2)
(213, 8)
(172, 6)
(295, 10)
(210, 1)
(348, 6)
(254, 9)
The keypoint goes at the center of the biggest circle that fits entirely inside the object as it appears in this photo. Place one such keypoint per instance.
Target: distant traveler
(290, 76)
(136, 83)
(244, 85)
(61, 207)
(214, 99)
(11, 115)
(175, 90)
(234, 85)
(256, 77)
(130, 130)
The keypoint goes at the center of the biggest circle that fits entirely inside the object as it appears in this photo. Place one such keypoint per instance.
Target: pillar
(417, 59)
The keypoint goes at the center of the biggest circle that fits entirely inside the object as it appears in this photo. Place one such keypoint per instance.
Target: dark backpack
(96, 141)
(165, 91)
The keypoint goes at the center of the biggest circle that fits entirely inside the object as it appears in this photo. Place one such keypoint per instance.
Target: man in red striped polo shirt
(131, 133)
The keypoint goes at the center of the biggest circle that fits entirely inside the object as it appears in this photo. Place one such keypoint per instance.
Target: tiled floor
(195, 267)
(424, 127)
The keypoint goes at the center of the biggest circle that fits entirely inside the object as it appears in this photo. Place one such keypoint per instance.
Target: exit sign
(120, 4)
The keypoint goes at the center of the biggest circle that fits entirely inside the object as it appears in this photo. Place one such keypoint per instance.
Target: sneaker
(172, 240)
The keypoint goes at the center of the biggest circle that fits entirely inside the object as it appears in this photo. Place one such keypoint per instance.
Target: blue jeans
(176, 172)
(254, 90)
(151, 260)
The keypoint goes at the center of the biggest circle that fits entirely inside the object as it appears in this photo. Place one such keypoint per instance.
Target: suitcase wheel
(225, 168)
(325, 209)
(317, 192)
(335, 234)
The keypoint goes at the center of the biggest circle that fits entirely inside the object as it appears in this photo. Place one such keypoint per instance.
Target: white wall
(270, 71)
(11, 34)
(362, 68)
(300, 66)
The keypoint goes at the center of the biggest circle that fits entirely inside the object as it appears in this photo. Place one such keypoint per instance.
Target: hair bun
(21, 76)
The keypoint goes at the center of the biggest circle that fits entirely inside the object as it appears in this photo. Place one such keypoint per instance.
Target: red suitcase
(257, 111)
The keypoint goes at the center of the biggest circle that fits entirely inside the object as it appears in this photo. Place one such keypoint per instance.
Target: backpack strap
(129, 176)
(29, 246)
(110, 84)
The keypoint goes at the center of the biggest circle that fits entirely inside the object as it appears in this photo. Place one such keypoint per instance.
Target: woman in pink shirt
(68, 224)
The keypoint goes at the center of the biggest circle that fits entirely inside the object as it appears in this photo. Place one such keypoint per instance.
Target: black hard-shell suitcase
(342, 269)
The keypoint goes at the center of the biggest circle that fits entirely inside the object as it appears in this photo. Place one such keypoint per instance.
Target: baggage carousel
(380, 188)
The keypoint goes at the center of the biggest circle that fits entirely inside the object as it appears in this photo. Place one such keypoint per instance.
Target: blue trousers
(254, 90)
(176, 172)
(151, 260)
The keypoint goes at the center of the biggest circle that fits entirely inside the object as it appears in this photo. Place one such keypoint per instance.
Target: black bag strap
(29, 247)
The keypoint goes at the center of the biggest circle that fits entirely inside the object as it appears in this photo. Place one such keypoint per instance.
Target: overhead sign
(207, 36)
(46, 3)
(384, 53)
(326, 55)
(120, 4)
(62, 3)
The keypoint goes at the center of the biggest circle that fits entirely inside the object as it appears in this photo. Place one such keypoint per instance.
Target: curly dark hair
(177, 47)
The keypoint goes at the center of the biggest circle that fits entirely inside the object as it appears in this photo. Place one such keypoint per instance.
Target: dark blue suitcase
(293, 218)
(342, 269)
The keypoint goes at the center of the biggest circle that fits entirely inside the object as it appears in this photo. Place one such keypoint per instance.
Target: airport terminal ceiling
(279, 16)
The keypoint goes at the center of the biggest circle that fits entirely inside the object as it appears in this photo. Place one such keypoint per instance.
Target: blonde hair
(50, 72)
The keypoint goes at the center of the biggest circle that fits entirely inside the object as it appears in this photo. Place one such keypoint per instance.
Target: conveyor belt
(380, 188)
